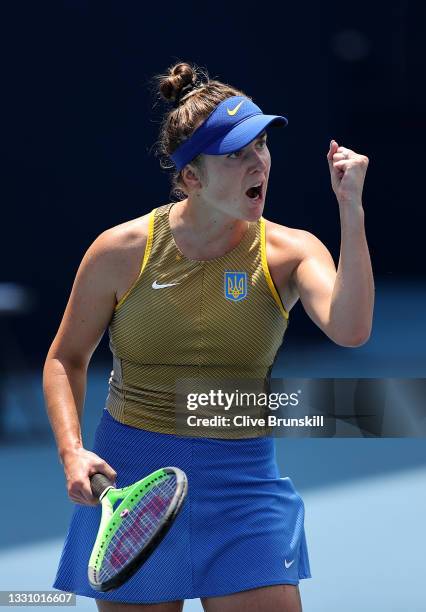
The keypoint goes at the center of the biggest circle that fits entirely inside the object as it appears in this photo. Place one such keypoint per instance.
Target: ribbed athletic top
(189, 319)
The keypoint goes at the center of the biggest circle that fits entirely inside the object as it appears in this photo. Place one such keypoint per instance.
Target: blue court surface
(365, 498)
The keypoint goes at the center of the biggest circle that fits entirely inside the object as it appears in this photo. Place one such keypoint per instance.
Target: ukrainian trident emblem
(235, 286)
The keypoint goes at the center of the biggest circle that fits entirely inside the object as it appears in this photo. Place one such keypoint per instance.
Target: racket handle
(98, 483)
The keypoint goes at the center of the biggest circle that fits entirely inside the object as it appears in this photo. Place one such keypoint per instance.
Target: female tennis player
(202, 287)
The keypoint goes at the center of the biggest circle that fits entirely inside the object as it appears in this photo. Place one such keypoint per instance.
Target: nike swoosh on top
(289, 564)
(155, 285)
(234, 110)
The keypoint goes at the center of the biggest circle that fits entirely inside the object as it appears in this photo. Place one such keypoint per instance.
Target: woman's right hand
(79, 464)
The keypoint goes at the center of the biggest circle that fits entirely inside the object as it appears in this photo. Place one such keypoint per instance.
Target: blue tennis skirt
(241, 526)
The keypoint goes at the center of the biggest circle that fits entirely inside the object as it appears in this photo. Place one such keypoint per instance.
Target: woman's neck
(203, 233)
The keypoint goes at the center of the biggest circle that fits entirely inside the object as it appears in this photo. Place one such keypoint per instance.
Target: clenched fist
(347, 170)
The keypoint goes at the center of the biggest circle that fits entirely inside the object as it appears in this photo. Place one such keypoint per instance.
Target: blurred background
(80, 122)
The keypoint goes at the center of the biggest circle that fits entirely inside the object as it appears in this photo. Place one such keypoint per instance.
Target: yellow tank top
(191, 319)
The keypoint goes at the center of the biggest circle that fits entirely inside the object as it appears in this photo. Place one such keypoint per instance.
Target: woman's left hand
(347, 170)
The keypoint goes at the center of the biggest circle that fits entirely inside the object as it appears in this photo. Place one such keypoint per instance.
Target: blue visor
(232, 125)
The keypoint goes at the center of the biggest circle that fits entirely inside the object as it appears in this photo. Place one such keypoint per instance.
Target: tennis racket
(131, 531)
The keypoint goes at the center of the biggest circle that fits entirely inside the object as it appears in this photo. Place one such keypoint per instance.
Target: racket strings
(138, 527)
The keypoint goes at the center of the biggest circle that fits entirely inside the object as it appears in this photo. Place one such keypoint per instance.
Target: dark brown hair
(194, 96)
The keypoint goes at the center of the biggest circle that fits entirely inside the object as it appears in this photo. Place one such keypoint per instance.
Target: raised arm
(340, 302)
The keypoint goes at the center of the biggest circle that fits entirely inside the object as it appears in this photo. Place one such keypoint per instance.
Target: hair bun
(180, 79)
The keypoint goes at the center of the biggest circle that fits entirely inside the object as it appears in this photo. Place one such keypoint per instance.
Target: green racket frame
(111, 520)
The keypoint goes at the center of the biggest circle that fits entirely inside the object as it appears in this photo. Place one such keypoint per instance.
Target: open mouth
(255, 193)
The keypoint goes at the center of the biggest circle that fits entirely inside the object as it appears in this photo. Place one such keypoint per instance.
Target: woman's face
(225, 180)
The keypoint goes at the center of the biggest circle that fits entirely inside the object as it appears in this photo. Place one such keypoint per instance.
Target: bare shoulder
(286, 249)
(297, 246)
(290, 242)
(118, 250)
(110, 263)
(291, 246)
(114, 257)
(123, 239)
